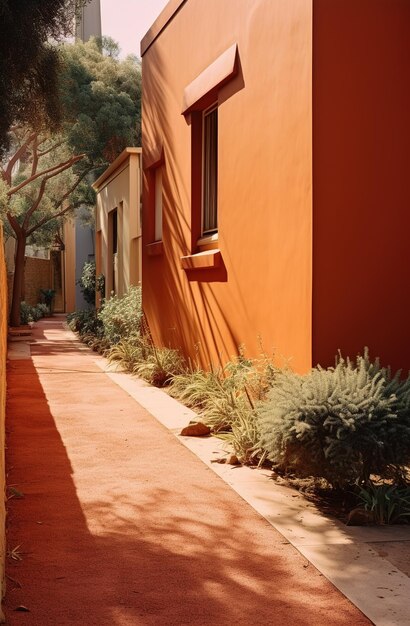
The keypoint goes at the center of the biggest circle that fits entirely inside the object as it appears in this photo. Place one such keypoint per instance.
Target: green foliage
(87, 282)
(388, 504)
(128, 353)
(90, 283)
(42, 309)
(30, 313)
(243, 435)
(96, 343)
(102, 100)
(343, 424)
(47, 296)
(159, 366)
(26, 313)
(139, 356)
(226, 399)
(29, 65)
(85, 322)
(218, 393)
(121, 317)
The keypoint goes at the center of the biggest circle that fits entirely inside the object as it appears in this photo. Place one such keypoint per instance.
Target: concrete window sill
(155, 249)
(206, 260)
(208, 242)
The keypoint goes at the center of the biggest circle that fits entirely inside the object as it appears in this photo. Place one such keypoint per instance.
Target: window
(210, 171)
(114, 231)
(158, 204)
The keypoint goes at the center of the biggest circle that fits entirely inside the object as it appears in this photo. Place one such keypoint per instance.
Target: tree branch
(14, 223)
(42, 189)
(53, 147)
(56, 206)
(48, 173)
(18, 155)
(35, 157)
(48, 219)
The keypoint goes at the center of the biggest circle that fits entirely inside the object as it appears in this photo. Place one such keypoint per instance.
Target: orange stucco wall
(361, 190)
(265, 171)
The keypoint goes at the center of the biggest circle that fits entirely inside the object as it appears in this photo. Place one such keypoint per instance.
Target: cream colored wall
(3, 354)
(121, 191)
(69, 265)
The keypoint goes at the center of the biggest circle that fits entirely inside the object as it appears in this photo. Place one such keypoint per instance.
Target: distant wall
(37, 276)
(84, 252)
(69, 266)
(3, 354)
(119, 189)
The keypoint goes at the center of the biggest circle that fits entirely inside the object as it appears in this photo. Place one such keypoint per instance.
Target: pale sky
(127, 21)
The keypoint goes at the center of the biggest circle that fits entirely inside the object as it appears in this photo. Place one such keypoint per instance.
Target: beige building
(118, 222)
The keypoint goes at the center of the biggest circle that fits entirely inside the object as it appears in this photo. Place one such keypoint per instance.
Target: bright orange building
(276, 190)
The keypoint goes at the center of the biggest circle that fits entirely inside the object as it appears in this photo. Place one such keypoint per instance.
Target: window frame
(157, 174)
(209, 169)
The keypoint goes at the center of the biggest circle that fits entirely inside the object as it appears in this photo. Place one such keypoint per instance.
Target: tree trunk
(18, 280)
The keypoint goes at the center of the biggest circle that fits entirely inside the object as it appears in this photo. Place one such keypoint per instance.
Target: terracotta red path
(121, 525)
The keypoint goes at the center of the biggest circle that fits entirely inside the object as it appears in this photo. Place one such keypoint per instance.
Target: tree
(29, 64)
(101, 97)
(46, 176)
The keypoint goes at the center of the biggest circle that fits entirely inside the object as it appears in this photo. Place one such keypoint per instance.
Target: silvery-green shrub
(343, 423)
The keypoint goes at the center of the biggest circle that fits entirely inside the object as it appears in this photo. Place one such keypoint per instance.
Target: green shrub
(85, 322)
(47, 296)
(26, 313)
(388, 504)
(30, 313)
(343, 424)
(121, 317)
(42, 309)
(90, 283)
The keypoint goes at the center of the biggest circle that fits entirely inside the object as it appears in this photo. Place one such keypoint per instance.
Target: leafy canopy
(29, 64)
(101, 98)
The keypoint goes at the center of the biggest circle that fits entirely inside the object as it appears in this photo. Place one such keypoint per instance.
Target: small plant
(48, 297)
(226, 399)
(244, 436)
(15, 554)
(159, 366)
(128, 353)
(387, 504)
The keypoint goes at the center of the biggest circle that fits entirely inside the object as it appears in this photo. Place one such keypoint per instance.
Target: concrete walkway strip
(346, 555)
